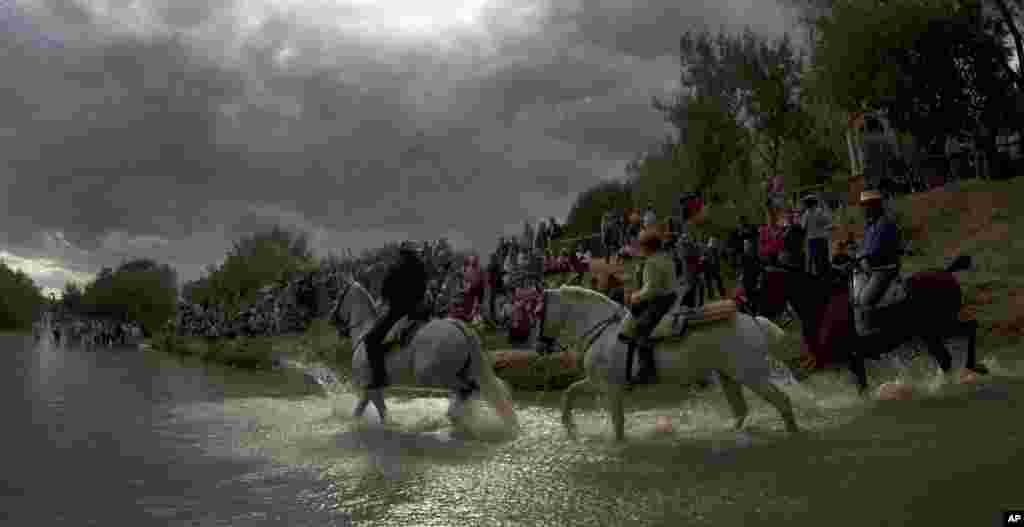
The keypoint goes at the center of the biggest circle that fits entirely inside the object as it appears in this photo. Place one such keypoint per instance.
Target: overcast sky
(168, 128)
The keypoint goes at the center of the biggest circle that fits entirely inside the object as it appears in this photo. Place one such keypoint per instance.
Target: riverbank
(975, 219)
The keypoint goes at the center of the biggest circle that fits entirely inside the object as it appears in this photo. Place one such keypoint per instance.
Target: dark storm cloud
(169, 128)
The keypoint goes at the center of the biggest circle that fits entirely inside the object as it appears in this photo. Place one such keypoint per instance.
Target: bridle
(593, 332)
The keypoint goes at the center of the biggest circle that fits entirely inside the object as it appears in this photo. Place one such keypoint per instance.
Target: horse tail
(492, 389)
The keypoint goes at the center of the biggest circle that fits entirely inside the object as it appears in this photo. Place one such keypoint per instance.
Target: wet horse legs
(734, 396)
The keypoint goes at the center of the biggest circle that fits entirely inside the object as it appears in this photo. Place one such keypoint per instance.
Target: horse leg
(734, 395)
(361, 405)
(777, 398)
(377, 398)
(569, 399)
(937, 349)
(616, 407)
(859, 372)
(969, 329)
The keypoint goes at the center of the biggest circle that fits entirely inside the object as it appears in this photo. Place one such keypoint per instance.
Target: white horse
(443, 353)
(736, 349)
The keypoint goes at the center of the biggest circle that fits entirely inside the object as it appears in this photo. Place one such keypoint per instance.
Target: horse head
(354, 308)
(573, 308)
(808, 294)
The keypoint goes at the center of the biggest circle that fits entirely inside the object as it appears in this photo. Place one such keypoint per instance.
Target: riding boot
(647, 373)
(378, 369)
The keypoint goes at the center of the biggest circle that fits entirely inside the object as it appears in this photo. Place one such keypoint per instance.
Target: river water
(123, 437)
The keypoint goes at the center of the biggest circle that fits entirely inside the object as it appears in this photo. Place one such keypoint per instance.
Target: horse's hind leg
(569, 400)
(734, 395)
(938, 350)
(969, 329)
(777, 398)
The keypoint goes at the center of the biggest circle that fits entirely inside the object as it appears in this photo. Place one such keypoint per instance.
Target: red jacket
(770, 241)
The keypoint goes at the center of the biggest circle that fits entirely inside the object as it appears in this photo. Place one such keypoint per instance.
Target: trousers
(373, 342)
(818, 249)
(646, 315)
(877, 284)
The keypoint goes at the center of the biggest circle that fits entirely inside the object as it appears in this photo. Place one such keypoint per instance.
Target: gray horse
(443, 353)
(736, 349)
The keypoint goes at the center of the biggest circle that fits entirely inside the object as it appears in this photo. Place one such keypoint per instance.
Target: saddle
(402, 333)
(866, 318)
(676, 324)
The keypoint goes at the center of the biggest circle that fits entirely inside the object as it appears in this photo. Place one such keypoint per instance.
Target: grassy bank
(976, 220)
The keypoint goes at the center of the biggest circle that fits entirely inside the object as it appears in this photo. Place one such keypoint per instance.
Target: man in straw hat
(881, 252)
(654, 299)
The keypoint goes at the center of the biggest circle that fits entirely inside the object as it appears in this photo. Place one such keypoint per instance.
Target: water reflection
(117, 437)
(145, 439)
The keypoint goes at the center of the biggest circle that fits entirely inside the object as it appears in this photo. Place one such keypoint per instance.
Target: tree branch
(1018, 41)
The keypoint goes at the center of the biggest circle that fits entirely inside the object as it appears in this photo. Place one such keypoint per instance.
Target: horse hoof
(980, 369)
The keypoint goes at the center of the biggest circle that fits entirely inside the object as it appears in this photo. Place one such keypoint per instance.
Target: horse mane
(366, 292)
(584, 295)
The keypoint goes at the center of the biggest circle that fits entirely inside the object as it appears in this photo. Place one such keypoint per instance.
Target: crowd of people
(69, 329)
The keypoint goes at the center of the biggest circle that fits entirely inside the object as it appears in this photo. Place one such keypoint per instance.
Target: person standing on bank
(403, 289)
(713, 269)
(817, 223)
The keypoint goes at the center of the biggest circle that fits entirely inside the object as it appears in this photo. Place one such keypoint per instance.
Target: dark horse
(930, 313)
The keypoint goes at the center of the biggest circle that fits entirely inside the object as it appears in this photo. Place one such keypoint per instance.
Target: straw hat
(870, 197)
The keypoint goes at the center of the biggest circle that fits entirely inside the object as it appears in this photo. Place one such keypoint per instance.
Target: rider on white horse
(650, 303)
(882, 249)
(405, 284)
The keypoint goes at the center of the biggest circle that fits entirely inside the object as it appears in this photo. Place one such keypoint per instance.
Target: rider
(881, 248)
(650, 303)
(404, 286)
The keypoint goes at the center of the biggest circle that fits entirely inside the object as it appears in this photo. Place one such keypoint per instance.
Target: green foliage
(713, 141)
(585, 214)
(771, 71)
(658, 176)
(139, 290)
(20, 299)
(254, 261)
(935, 67)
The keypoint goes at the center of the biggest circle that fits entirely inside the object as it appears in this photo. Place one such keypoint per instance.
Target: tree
(254, 261)
(929, 65)
(139, 290)
(585, 215)
(772, 71)
(713, 142)
(20, 299)
(1010, 15)
(71, 297)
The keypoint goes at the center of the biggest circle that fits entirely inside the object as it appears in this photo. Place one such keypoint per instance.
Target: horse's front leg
(616, 407)
(568, 402)
(859, 372)
(376, 396)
